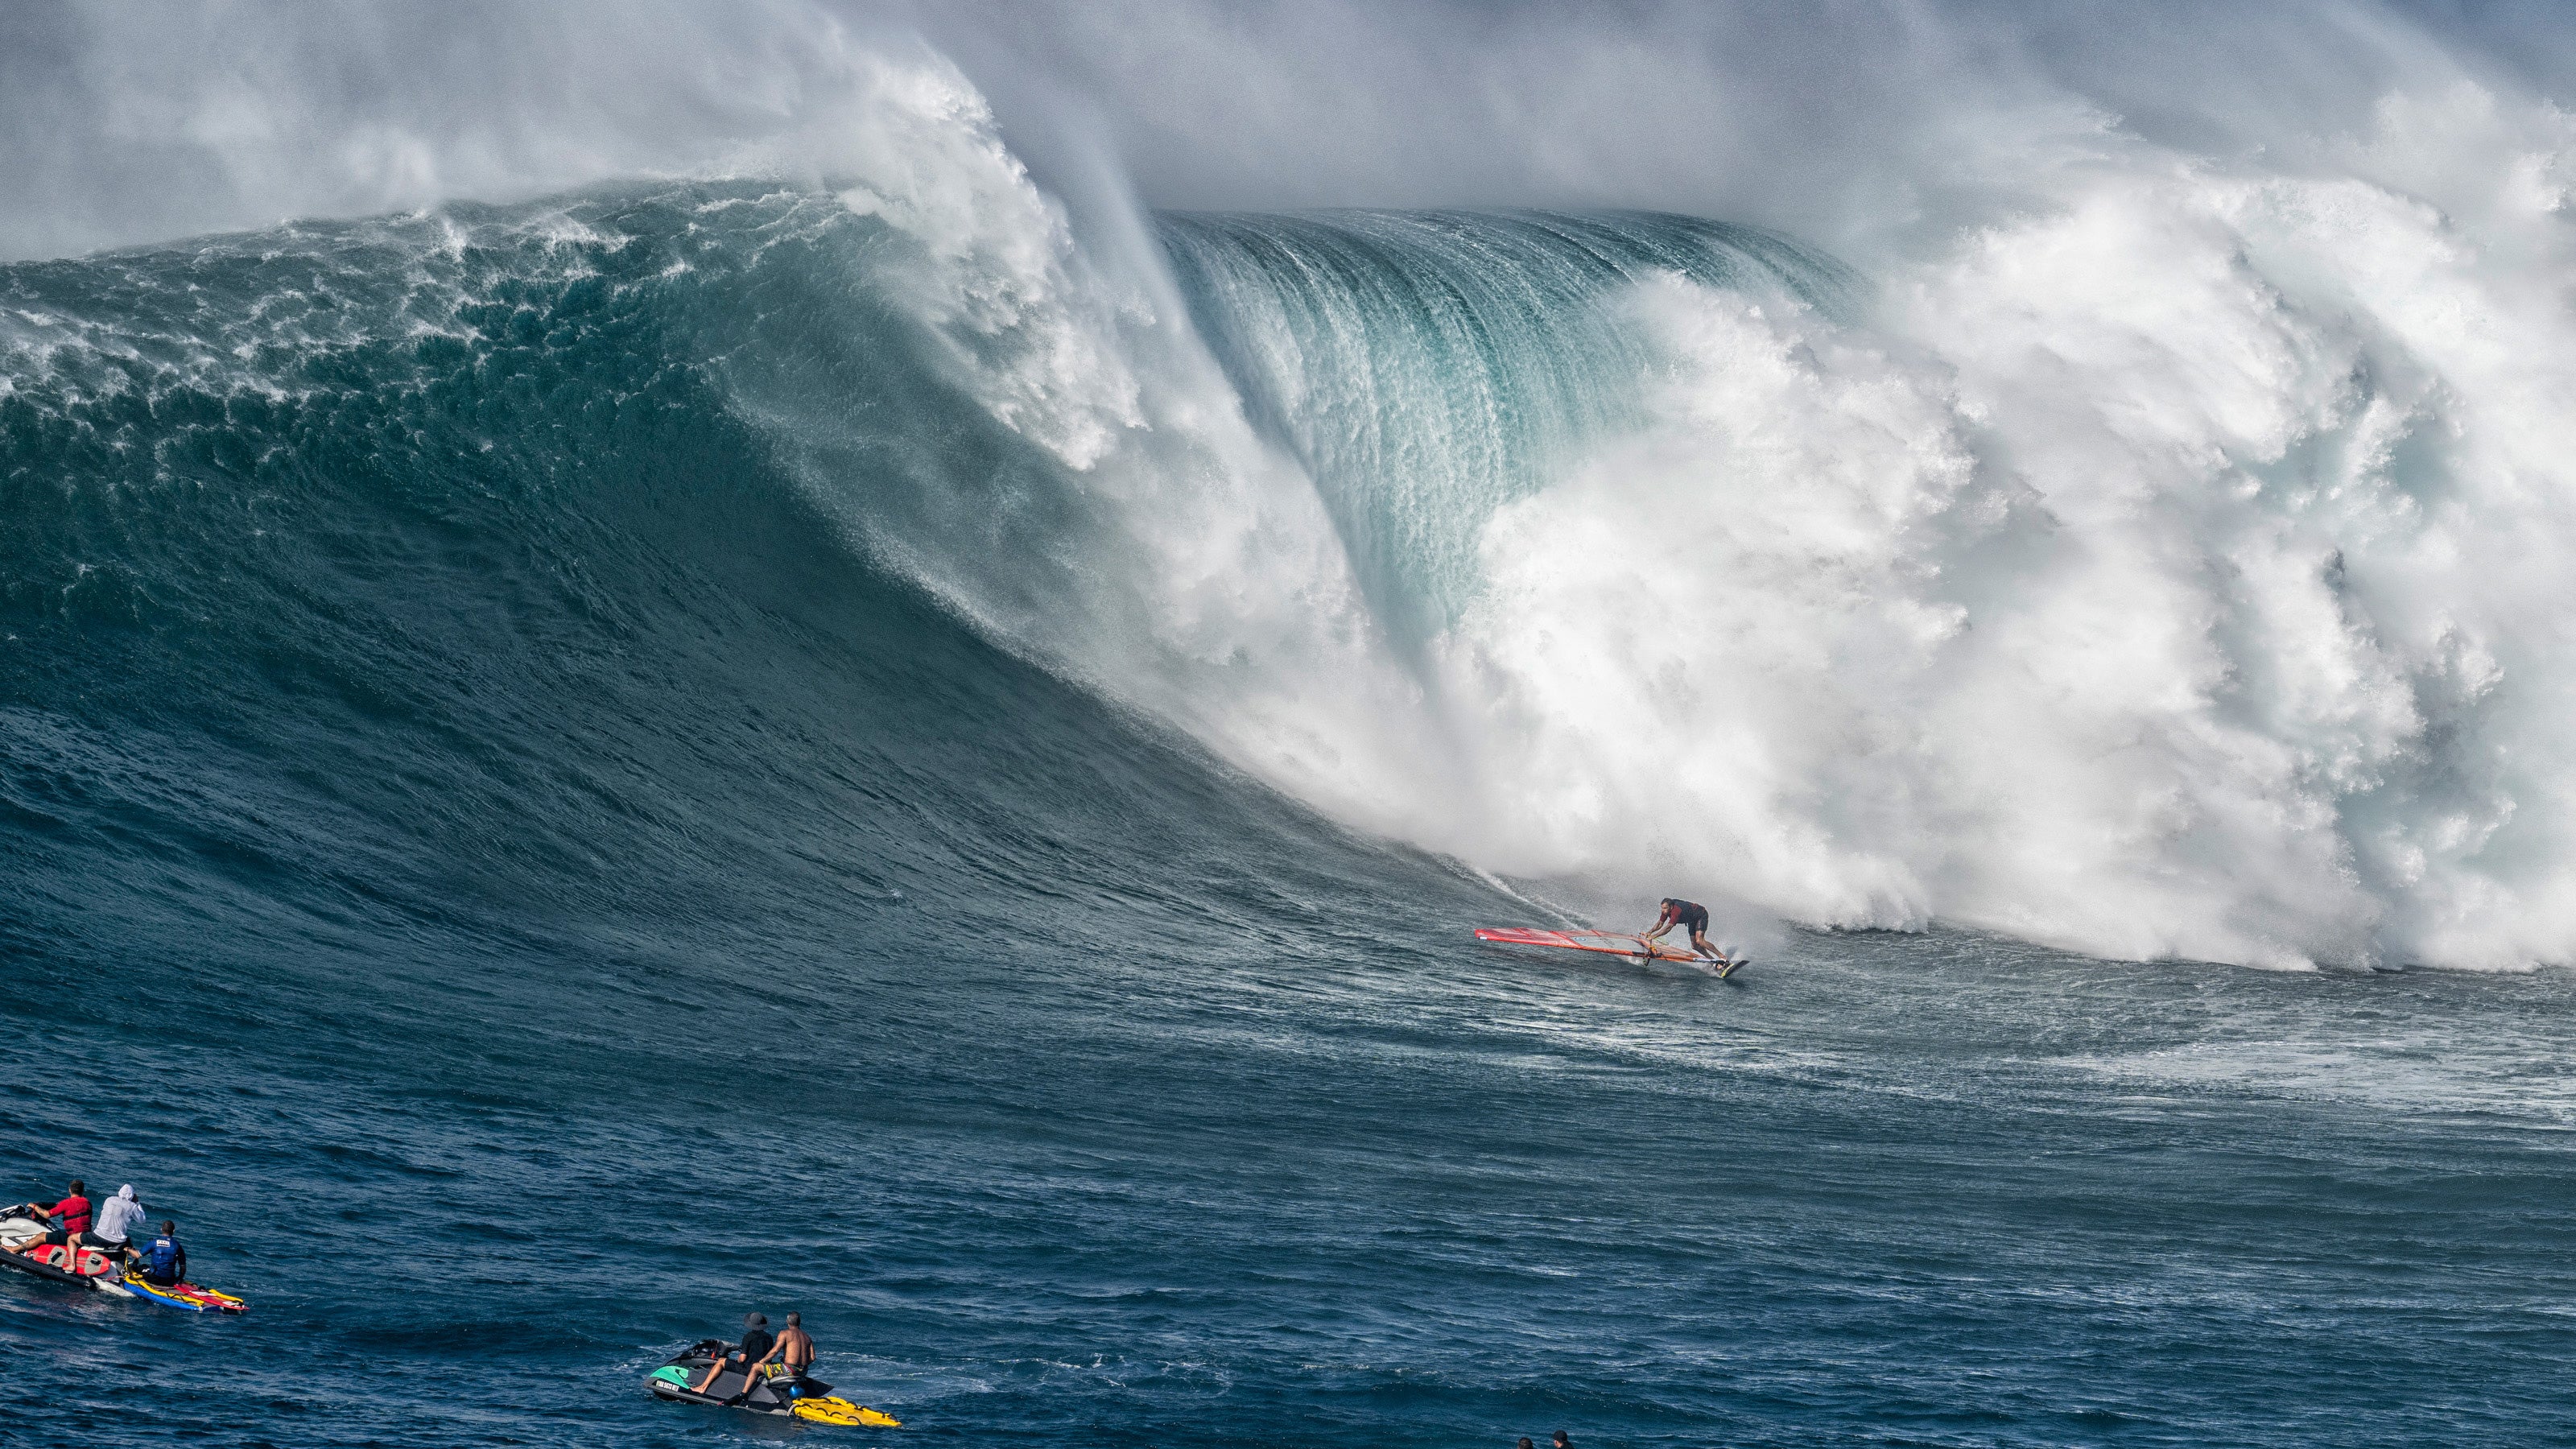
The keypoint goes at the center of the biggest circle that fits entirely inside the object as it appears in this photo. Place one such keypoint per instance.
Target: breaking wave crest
(2166, 569)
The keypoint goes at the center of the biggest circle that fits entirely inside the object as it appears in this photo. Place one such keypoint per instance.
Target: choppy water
(542, 807)
(1330, 1180)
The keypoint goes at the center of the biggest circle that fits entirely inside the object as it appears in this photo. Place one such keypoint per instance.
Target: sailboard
(1608, 943)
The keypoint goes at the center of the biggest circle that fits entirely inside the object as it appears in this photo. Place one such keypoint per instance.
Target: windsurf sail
(1608, 943)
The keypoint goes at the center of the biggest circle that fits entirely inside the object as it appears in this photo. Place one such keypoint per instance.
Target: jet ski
(95, 1270)
(781, 1397)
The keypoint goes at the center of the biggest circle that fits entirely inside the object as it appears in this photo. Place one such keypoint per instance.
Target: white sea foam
(2176, 573)
(2173, 571)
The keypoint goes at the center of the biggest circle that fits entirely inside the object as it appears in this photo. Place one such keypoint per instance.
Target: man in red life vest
(74, 1211)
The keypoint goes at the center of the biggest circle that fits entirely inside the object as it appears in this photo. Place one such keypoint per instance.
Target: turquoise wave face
(1427, 368)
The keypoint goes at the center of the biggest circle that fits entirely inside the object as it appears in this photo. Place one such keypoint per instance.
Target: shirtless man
(796, 1347)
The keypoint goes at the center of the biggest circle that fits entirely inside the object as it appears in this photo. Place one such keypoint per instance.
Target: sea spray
(2154, 575)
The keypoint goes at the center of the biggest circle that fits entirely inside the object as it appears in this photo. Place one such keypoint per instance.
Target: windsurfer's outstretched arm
(1664, 921)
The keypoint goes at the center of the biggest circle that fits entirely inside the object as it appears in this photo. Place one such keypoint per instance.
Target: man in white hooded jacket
(116, 1218)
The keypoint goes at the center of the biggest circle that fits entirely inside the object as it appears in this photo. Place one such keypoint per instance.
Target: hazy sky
(142, 119)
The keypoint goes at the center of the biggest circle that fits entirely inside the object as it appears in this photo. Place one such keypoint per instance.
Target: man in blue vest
(164, 1262)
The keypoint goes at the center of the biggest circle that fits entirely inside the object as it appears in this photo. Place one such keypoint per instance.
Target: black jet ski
(783, 1396)
(95, 1270)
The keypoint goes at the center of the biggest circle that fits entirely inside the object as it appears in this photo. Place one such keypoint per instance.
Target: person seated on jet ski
(757, 1347)
(164, 1262)
(795, 1349)
(116, 1218)
(74, 1211)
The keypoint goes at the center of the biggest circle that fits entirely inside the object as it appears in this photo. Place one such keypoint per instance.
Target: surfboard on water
(1607, 943)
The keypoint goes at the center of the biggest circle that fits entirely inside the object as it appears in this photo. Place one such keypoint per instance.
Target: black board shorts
(1694, 920)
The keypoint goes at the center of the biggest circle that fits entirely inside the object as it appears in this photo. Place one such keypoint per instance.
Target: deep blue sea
(524, 875)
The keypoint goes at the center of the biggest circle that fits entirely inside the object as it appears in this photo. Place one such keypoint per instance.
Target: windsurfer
(1685, 913)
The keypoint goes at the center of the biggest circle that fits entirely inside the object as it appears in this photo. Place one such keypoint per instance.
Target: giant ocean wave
(2169, 570)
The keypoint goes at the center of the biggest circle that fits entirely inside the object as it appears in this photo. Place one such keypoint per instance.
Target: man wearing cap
(757, 1346)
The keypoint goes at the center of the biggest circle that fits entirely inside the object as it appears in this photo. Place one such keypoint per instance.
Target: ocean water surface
(574, 769)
